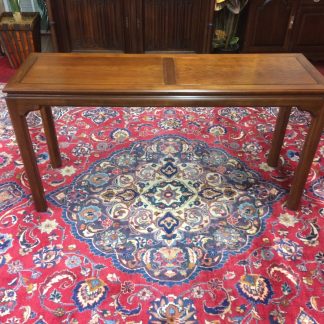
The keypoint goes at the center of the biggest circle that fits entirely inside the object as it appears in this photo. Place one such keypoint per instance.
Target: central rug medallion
(168, 207)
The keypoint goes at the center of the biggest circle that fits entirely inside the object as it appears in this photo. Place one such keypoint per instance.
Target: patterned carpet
(161, 215)
(5, 70)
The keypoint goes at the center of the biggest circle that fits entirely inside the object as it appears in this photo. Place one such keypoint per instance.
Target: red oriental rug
(161, 215)
(5, 70)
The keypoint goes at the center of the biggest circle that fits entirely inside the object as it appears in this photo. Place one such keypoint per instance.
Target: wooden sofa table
(51, 79)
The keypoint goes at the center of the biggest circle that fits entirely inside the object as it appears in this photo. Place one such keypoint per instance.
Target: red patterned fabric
(161, 215)
(5, 70)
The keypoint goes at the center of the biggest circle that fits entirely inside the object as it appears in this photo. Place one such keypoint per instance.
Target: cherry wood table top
(161, 74)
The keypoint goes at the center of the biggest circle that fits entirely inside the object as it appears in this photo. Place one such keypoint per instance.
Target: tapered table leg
(18, 119)
(278, 136)
(311, 142)
(51, 138)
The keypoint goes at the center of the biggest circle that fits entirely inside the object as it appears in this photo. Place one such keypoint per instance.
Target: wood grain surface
(177, 73)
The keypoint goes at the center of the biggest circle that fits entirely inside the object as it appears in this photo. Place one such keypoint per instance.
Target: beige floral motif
(68, 171)
(144, 294)
(287, 220)
(265, 167)
(197, 292)
(48, 226)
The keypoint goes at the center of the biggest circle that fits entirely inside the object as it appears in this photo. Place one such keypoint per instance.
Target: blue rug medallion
(168, 208)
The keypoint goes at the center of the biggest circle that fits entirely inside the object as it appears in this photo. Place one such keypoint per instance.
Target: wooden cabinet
(133, 26)
(269, 25)
(172, 25)
(308, 36)
(91, 25)
(285, 26)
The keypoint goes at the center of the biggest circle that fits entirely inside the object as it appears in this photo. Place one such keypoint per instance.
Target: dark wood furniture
(285, 26)
(132, 26)
(19, 38)
(165, 80)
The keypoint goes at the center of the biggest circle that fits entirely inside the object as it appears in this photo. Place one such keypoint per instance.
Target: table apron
(167, 100)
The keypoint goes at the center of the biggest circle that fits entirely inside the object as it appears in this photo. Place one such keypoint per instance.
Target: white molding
(6, 5)
(33, 5)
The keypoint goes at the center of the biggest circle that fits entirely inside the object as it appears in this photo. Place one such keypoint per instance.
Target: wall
(25, 5)
(1, 6)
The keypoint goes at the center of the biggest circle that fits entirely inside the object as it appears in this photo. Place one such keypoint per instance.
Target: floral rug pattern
(161, 215)
(167, 207)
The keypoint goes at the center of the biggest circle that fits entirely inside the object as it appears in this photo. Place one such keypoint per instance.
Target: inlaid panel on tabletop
(157, 73)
